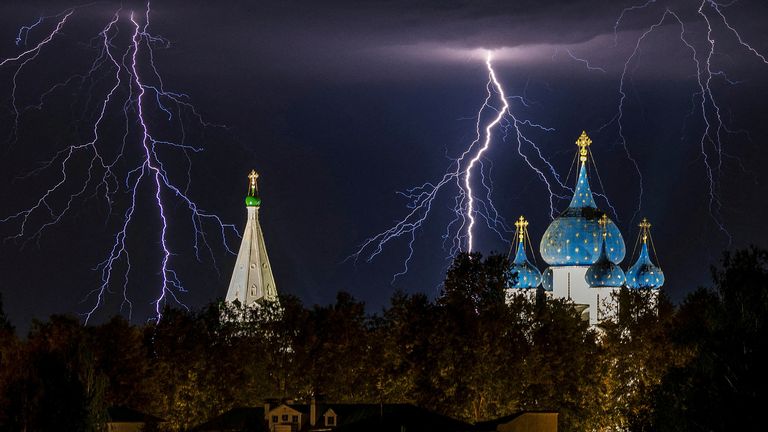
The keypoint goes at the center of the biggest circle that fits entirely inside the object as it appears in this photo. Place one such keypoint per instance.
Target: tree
(333, 348)
(120, 353)
(10, 363)
(725, 385)
(401, 342)
(56, 381)
(5, 323)
(192, 369)
(470, 361)
(638, 353)
(562, 370)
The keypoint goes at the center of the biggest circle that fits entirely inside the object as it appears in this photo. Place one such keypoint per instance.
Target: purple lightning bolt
(471, 199)
(711, 145)
(102, 179)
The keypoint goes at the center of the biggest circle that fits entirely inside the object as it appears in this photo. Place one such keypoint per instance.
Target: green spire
(252, 199)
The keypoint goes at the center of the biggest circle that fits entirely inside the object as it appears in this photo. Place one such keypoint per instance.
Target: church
(584, 250)
(582, 246)
(252, 279)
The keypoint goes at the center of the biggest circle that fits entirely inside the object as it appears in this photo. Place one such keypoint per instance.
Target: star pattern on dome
(604, 272)
(522, 274)
(573, 238)
(644, 273)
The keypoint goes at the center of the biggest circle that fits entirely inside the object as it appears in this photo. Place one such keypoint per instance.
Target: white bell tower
(252, 280)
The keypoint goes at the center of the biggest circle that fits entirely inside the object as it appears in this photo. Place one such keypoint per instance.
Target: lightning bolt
(104, 178)
(488, 137)
(584, 61)
(472, 199)
(28, 56)
(711, 144)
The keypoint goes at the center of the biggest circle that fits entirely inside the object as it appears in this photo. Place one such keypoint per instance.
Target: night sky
(340, 105)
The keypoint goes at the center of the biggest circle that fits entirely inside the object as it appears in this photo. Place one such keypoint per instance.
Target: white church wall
(569, 282)
(606, 303)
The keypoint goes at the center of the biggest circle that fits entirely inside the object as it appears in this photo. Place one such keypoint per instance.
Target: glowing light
(488, 137)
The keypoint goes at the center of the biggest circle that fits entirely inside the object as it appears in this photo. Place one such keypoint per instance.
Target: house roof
(301, 409)
(491, 425)
(236, 419)
(351, 417)
(393, 417)
(127, 415)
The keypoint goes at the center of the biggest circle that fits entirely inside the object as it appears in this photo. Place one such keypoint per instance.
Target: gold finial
(645, 228)
(583, 142)
(603, 222)
(253, 188)
(522, 226)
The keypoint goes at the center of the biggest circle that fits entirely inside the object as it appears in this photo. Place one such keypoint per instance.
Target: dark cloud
(379, 40)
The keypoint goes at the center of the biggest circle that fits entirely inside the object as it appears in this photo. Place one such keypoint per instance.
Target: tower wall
(568, 282)
(252, 277)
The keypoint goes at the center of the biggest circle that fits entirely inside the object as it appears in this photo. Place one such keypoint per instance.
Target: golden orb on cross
(603, 222)
(252, 186)
(583, 142)
(522, 225)
(252, 199)
(645, 228)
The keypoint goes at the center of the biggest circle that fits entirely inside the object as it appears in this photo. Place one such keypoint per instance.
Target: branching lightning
(486, 144)
(137, 162)
(472, 199)
(705, 101)
(132, 90)
(584, 61)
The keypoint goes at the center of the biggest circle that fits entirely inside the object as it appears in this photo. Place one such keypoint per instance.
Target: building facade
(252, 279)
(583, 249)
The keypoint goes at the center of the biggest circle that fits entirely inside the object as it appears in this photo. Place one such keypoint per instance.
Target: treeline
(700, 365)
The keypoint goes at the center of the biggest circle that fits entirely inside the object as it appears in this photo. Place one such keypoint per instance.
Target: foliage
(56, 381)
(471, 353)
(638, 352)
(5, 323)
(724, 386)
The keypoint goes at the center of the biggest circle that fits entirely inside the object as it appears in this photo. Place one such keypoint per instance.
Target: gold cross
(645, 228)
(583, 142)
(253, 176)
(522, 226)
(603, 222)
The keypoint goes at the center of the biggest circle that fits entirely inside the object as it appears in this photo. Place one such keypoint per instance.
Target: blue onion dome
(546, 279)
(604, 273)
(528, 276)
(574, 237)
(644, 273)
